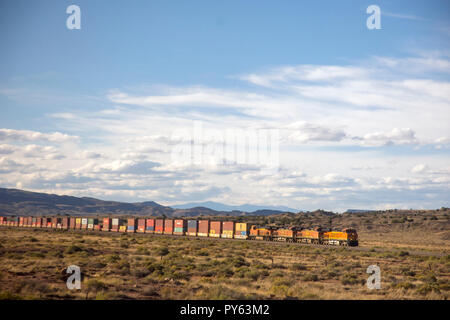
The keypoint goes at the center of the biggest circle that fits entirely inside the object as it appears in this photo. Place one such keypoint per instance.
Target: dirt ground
(131, 266)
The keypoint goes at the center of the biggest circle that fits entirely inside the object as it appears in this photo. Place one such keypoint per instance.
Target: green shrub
(350, 279)
(311, 277)
(73, 249)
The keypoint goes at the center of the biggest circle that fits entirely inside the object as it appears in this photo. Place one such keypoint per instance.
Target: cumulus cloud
(419, 168)
(397, 136)
(6, 149)
(336, 124)
(28, 135)
(127, 166)
(306, 132)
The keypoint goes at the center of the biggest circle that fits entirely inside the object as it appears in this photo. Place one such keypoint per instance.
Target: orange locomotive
(348, 237)
(263, 233)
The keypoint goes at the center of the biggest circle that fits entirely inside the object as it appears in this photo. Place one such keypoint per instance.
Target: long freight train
(194, 228)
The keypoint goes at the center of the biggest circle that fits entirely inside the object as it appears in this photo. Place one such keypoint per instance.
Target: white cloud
(28, 135)
(6, 149)
(330, 119)
(397, 136)
(306, 132)
(419, 168)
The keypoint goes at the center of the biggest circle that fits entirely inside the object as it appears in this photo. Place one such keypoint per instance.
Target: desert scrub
(298, 267)
(142, 251)
(350, 279)
(220, 292)
(280, 286)
(73, 249)
(404, 285)
(310, 277)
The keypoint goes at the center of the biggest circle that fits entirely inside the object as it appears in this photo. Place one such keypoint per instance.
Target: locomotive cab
(352, 236)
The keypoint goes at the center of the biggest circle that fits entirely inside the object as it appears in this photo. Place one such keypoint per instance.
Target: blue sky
(310, 69)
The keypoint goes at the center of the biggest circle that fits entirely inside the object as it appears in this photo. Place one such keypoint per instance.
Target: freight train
(194, 228)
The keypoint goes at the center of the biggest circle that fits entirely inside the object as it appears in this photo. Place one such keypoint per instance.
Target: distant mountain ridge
(20, 202)
(223, 207)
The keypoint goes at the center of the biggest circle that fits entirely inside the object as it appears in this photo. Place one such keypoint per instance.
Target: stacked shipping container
(97, 224)
(180, 227)
(227, 229)
(241, 231)
(168, 226)
(159, 226)
(150, 226)
(123, 225)
(141, 225)
(65, 223)
(203, 228)
(131, 225)
(84, 223)
(72, 223)
(106, 224)
(192, 228)
(115, 225)
(215, 229)
(77, 223)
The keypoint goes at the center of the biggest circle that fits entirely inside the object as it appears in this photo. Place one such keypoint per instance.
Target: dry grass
(158, 267)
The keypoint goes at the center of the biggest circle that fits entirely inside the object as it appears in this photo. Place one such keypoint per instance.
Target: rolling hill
(20, 202)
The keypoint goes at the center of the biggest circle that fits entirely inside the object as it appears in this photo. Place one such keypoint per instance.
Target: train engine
(261, 233)
(346, 237)
(285, 235)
